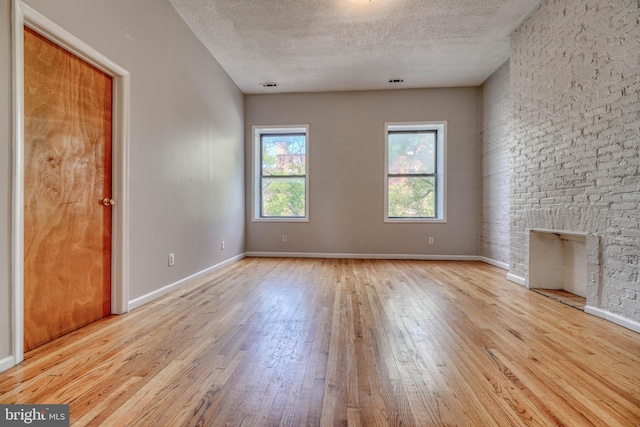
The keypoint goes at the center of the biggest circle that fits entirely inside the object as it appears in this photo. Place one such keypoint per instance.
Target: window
(281, 173)
(414, 177)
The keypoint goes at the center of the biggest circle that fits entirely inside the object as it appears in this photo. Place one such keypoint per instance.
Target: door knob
(108, 202)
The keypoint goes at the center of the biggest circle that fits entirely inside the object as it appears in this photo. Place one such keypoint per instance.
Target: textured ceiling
(336, 45)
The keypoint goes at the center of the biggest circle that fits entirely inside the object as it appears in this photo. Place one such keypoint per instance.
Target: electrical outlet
(284, 238)
(222, 245)
(431, 240)
(172, 259)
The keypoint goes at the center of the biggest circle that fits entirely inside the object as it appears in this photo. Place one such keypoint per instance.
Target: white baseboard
(140, 301)
(517, 279)
(7, 362)
(612, 317)
(363, 256)
(495, 263)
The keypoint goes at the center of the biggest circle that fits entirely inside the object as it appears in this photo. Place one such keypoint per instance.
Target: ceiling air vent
(269, 84)
(396, 80)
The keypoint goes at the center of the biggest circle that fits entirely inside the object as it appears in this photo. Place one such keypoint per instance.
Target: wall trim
(362, 256)
(7, 363)
(17, 191)
(151, 296)
(612, 317)
(495, 263)
(517, 279)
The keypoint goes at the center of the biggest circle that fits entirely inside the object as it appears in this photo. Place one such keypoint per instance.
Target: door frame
(22, 15)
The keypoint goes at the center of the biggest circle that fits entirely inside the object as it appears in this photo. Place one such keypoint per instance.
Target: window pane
(283, 197)
(283, 154)
(412, 197)
(412, 152)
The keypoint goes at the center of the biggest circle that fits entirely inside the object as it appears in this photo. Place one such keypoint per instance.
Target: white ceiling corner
(338, 45)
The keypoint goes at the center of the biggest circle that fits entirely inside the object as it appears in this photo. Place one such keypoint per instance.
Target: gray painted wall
(346, 169)
(186, 140)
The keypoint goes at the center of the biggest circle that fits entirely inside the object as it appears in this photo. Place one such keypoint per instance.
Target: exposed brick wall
(575, 163)
(495, 137)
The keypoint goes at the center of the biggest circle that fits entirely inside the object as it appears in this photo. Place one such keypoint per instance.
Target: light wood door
(67, 227)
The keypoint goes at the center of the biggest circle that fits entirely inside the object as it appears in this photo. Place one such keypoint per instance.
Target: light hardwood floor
(329, 342)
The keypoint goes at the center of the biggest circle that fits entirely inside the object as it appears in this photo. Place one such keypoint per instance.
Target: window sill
(415, 220)
(280, 220)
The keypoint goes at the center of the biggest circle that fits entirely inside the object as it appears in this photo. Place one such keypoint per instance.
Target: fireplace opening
(558, 266)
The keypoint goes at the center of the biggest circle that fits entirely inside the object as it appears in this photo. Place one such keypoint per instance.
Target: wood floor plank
(341, 342)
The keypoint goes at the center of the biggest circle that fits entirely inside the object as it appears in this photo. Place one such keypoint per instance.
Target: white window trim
(441, 127)
(256, 131)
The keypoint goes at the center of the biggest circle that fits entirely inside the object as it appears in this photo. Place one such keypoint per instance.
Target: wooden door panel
(67, 230)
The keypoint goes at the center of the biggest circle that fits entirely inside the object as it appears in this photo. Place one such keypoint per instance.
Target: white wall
(496, 140)
(186, 141)
(575, 158)
(346, 169)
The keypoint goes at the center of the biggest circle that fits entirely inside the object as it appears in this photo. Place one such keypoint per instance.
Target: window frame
(440, 127)
(256, 194)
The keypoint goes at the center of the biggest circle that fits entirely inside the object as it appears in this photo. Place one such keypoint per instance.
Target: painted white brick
(574, 85)
(496, 138)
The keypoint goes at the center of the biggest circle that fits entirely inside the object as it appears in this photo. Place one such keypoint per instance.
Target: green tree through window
(412, 174)
(283, 175)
